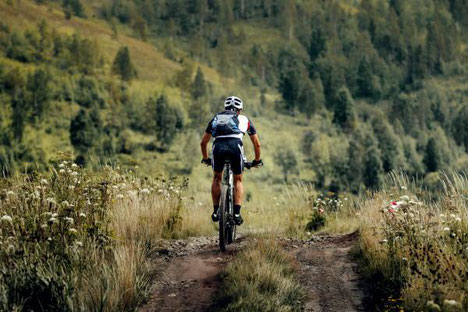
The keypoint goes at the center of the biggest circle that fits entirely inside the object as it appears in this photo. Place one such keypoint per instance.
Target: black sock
(215, 208)
(237, 209)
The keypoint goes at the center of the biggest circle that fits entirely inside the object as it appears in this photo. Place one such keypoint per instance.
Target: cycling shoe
(215, 217)
(238, 219)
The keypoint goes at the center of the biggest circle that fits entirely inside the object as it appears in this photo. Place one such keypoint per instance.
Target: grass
(261, 278)
(418, 250)
(75, 240)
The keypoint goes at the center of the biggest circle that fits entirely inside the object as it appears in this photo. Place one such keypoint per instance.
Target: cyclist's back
(228, 128)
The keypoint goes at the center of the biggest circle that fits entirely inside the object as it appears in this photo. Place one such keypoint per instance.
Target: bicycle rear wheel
(223, 221)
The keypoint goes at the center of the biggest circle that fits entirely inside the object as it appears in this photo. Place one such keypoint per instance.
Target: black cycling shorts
(228, 149)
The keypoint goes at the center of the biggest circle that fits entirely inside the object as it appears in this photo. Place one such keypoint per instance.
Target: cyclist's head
(233, 103)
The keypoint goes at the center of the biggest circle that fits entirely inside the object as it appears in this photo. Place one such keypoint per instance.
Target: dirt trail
(190, 275)
(329, 274)
(190, 271)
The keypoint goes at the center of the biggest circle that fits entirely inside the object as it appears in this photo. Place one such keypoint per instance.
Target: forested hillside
(354, 89)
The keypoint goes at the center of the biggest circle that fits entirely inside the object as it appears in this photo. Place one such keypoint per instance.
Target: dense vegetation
(379, 82)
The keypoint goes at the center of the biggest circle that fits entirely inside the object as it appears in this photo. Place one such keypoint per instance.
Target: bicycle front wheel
(223, 226)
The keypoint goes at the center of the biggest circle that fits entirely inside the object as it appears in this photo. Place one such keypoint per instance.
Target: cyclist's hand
(206, 161)
(257, 163)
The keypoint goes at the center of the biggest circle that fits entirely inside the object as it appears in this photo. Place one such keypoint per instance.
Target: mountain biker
(228, 128)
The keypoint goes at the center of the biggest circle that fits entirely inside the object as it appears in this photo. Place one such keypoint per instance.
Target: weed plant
(80, 241)
(419, 249)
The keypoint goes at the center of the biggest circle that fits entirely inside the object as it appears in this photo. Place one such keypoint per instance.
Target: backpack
(225, 124)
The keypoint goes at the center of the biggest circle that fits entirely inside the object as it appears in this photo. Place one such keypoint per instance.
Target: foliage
(123, 66)
(261, 271)
(419, 249)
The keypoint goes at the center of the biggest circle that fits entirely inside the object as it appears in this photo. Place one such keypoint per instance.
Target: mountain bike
(227, 226)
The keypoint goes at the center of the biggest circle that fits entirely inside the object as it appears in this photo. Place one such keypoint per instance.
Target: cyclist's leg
(218, 166)
(238, 189)
(216, 187)
(237, 165)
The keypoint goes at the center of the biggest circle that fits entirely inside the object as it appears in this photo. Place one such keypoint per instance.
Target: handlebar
(248, 165)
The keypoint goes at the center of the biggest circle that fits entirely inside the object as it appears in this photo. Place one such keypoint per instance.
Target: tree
(123, 66)
(460, 127)
(317, 43)
(432, 156)
(198, 89)
(344, 114)
(165, 121)
(373, 168)
(286, 159)
(39, 92)
(86, 133)
(364, 78)
(356, 163)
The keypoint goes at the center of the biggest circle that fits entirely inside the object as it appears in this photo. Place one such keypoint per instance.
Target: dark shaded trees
(123, 66)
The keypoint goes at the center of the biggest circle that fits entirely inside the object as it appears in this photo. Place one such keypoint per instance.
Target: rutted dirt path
(190, 271)
(329, 274)
(190, 275)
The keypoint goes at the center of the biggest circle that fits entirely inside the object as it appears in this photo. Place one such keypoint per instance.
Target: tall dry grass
(261, 278)
(418, 249)
(81, 241)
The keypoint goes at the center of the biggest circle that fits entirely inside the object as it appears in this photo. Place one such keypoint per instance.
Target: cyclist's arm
(204, 143)
(256, 144)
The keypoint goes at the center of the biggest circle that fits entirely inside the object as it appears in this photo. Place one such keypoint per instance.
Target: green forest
(356, 88)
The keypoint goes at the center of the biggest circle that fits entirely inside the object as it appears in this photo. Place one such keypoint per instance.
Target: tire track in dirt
(189, 276)
(329, 274)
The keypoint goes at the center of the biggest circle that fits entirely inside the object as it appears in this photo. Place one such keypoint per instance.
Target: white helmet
(233, 101)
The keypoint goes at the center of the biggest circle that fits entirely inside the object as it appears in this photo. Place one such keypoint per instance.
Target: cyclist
(228, 128)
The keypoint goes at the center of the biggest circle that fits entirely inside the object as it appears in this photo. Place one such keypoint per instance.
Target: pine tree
(123, 66)
(82, 134)
(460, 127)
(364, 78)
(39, 92)
(432, 156)
(317, 44)
(344, 114)
(373, 169)
(198, 89)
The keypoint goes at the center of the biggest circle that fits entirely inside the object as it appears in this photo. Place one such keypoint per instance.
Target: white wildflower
(405, 198)
(44, 226)
(411, 215)
(74, 173)
(79, 244)
(62, 165)
(72, 231)
(49, 239)
(65, 203)
(54, 215)
(82, 215)
(404, 188)
(74, 166)
(160, 191)
(453, 234)
(10, 193)
(44, 181)
(115, 187)
(71, 187)
(404, 259)
(62, 171)
(452, 303)
(200, 204)
(69, 220)
(383, 241)
(51, 200)
(452, 216)
(52, 220)
(458, 219)
(447, 229)
(346, 198)
(119, 196)
(441, 215)
(145, 191)
(7, 218)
